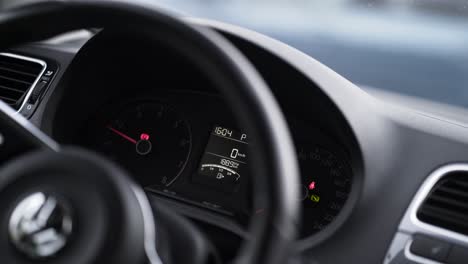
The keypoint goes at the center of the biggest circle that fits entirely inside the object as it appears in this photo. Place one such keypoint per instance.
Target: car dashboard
(162, 120)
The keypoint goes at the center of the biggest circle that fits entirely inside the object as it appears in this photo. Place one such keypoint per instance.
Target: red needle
(122, 134)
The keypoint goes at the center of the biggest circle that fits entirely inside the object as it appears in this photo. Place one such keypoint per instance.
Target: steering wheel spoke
(18, 135)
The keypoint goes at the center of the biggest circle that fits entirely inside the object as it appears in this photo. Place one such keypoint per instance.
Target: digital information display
(225, 159)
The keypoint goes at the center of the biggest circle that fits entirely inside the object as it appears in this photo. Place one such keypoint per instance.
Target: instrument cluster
(195, 153)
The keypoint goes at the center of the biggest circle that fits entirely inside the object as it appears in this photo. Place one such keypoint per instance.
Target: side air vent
(446, 205)
(18, 75)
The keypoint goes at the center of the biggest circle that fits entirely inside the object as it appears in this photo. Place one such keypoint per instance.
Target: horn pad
(72, 205)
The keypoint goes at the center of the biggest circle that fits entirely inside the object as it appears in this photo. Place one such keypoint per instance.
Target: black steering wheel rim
(275, 170)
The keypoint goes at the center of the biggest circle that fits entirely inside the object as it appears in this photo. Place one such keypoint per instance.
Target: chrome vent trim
(411, 223)
(447, 204)
(31, 88)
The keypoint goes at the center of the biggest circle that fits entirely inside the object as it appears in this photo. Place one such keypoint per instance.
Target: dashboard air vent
(446, 205)
(17, 76)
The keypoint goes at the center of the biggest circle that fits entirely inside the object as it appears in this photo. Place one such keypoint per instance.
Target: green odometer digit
(149, 139)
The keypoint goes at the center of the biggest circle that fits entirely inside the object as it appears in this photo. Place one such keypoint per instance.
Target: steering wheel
(67, 205)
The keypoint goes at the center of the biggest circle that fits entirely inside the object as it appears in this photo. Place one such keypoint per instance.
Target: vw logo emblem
(40, 225)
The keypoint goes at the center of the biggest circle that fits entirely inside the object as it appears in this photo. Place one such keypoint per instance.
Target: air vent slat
(20, 65)
(12, 84)
(453, 192)
(17, 76)
(446, 205)
(446, 201)
(11, 89)
(15, 80)
(444, 214)
(11, 94)
(5, 69)
(7, 100)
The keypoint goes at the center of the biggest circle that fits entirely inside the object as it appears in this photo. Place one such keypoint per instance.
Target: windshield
(413, 47)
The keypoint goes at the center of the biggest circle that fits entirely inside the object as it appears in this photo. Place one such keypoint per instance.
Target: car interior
(130, 133)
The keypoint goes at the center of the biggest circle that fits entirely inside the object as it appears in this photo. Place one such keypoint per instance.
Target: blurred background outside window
(414, 47)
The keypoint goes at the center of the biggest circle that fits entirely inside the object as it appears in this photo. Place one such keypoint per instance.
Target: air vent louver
(446, 205)
(17, 75)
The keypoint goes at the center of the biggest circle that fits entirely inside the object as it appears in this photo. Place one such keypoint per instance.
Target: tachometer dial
(149, 139)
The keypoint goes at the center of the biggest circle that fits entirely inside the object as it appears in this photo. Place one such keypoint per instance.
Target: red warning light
(312, 185)
(144, 136)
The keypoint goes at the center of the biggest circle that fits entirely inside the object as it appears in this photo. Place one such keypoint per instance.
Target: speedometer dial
(149, 139)
(326, 184)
